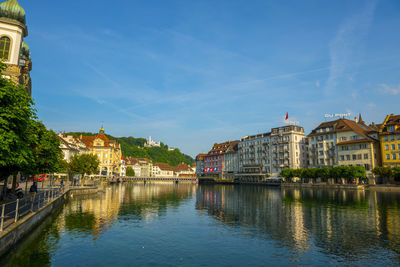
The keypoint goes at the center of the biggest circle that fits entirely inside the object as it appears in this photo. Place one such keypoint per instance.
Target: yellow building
(389, 135)
(107, 151)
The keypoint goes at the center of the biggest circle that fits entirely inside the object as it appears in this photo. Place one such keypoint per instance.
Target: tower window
(4, 47)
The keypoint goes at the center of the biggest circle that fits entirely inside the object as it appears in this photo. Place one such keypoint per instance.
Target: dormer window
(5, 43)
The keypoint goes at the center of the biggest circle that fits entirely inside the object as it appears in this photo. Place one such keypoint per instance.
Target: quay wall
(17, 231)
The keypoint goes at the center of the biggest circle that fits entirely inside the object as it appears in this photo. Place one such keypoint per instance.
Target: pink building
(213, 161)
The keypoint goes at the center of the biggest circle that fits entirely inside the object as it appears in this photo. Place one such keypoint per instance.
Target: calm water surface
(213, 225)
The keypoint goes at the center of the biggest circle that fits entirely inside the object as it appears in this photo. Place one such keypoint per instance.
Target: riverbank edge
(16, 232)
(385, 188)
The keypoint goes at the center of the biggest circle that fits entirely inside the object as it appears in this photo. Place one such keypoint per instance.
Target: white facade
(268, 154)
(71, 146)
(15, 31)
(152, 143)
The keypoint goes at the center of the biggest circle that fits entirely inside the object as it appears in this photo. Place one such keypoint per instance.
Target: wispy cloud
(345, 48)
(390, 90)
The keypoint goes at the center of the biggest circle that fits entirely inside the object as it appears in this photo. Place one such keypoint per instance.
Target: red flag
(287, 115)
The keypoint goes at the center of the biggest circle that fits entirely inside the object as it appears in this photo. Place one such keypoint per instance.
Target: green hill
(134, 147)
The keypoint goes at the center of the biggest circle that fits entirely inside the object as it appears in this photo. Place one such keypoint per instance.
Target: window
(363, 146)
(5, 47)
(344, 138)
(393, 146)
(321, 144)
(365, 156)
(386, 147)
(398, 137)
(347, 157)
(392, 138)
(391, 128)
(398, 146)
(388, 156)
(321, 153)
(366, 167)
(394, 155)
(321, 161)
(342, 158)
(354, 157)
(359, 156)
(386, 139)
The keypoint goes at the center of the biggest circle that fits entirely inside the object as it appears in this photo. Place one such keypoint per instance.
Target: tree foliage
(130, 171)
(349, 172)
(16, 115)
(83, 164)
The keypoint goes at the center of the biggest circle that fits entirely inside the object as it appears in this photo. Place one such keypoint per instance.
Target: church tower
(14, 52)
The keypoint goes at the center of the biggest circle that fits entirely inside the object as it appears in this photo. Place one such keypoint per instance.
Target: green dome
(11, 9)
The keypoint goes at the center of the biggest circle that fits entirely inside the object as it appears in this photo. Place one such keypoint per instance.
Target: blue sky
(192, 73)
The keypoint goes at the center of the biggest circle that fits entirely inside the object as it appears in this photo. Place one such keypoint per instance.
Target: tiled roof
(88, 140)
(222, 147)
(164, 166)
(344, 125)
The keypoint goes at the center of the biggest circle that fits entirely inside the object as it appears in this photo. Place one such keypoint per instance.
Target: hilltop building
(14, 51)
(107, 151)
(152, 143)
(389, 135)
(346, 143)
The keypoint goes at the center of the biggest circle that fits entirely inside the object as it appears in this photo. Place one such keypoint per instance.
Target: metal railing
(13, 211)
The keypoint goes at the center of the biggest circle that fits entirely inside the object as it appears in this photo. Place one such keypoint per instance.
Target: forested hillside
(134, 147)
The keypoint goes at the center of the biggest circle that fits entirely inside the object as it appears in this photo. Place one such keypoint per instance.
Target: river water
(217, 225)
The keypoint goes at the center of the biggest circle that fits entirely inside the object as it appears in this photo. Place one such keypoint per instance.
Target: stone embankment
(17, 231)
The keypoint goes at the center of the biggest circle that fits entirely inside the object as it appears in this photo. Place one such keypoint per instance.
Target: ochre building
(107, 151)
(389, 135)
(14, 52)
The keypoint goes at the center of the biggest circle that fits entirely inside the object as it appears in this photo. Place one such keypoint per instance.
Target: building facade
(266, 155)
(214, 160)
(143, 167)
(389, 136)
(14, 51)
(344, 142)
(230, 164)
(107, 151)
(254, 157)
(200, 164)
(288, 148)
(71, 146)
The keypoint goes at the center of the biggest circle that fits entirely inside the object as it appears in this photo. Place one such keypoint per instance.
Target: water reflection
(159, 224)
(346, 224)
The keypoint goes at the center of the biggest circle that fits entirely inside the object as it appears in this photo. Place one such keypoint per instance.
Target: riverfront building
(200, 164)
(267, 154)
(143, 167)
(254, 157)
(14, 51)
(344, 142)
(107, 151)
(71, 146)
(214, 160)
(389, 135)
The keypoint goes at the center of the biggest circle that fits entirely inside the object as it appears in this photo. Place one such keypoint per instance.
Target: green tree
(16, 114)
(83, 164)
(130, 171)
(386, 173)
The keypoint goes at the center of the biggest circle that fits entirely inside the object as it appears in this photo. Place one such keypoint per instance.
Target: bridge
(152, 179)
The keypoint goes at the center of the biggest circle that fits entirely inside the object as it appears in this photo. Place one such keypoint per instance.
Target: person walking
(33, 191)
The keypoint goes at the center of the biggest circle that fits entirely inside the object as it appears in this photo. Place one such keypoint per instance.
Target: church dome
(11, 9)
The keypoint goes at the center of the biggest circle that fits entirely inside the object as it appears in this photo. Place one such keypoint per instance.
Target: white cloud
(390, 90)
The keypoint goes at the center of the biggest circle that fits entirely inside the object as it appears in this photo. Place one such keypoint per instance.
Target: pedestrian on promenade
(62, 185)
(33, 191)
